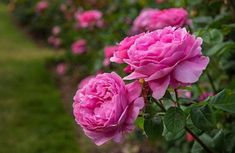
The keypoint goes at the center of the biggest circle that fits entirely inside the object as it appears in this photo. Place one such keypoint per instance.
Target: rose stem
(160, 104)
(177, 98)
(211, 81)
(207, 149)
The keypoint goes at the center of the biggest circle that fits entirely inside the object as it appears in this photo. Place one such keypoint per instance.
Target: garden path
(32, 117)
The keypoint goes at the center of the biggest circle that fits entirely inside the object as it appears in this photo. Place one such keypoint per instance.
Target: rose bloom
(153, 19)
(79, 46)
(106, 108)
(41, 6)
(56, 30)
(61, 69)
(169, 56)
(108, 52)
(54, 41)
(89, 18)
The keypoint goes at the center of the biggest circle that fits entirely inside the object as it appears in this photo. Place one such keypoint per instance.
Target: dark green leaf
(153, 127)
(224, 100)
(206, 139)
(174, 119)
(169, 136)
(203, 118)
(218, 141)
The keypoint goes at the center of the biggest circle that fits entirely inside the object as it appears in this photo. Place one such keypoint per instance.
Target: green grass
(32, 117)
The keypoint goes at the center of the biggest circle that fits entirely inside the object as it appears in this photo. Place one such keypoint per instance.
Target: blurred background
(46, 53)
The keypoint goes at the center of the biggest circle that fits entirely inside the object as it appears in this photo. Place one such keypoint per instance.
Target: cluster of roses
(106, 108)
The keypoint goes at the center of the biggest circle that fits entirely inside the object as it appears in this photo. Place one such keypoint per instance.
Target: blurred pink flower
(56, 30)
(42, 6)
(54, 41)
(160, 1)
(108, 52)
(61, 68)
(89, 18)
(164, 57)
(63, 7)
(189, 137)
(184, 93)
(106, 108)
(152, 19)
(79, 46)
(205, 95)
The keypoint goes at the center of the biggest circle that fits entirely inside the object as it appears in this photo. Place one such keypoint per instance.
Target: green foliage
(153, 127)
(174, 119)
(203, 117)
(224, 100)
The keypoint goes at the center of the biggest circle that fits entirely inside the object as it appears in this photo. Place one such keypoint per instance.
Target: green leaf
(169, 136)
(206, 139)
(153, 127)
(203, 118)
(218, 141)
(151, 109)
(216, 36)
(220, 48)
(174, 119)
(140, 122)
(224, 100)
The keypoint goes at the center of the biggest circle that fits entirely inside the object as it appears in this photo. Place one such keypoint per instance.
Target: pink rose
(56, 30)
(123, 46)
(85, 81)
(108, 52)
(153, 19)
(79, 46)
(54, 41)
(106, 108)
(41, 6)
(61, 69)
(169, 56)
(89, 18)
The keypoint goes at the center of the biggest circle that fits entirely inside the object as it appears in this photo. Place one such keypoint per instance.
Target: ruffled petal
(134, 90)
(189, 71)
(159, 87)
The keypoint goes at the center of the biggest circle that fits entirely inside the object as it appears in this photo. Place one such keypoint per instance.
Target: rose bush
(79, 46)
(106, 108)
(159, 59)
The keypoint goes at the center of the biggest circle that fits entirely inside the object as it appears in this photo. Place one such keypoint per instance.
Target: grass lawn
(32, 117)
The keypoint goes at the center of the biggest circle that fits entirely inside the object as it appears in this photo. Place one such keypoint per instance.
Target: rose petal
(189, 71)
(159, 86)
(134, 90)
(134, 75)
